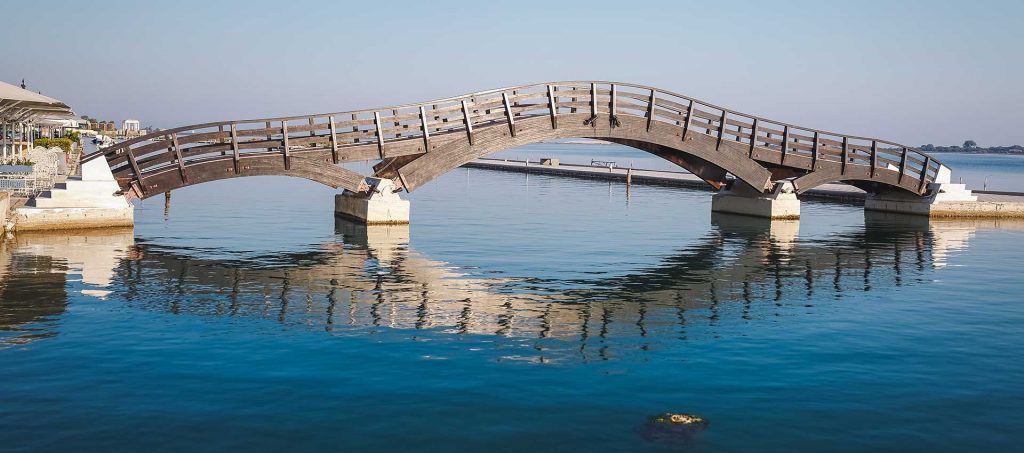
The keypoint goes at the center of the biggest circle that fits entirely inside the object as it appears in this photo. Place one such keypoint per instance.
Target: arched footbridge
(416, 143)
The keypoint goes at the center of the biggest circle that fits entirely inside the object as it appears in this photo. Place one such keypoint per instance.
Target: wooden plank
(845, 154)
(753, 138)
(508, 113)
(650, 110)
(613, 104)
(552, 108)
(426, 130)
(286, 151)
(785, 144)
(380, 134)
(924, 172)
(814, 153)
(874, 157)
(593, 99)
(234, 146)
(689, 118)
(177, 154)
(721, 129)
(334, 139)
(134, 163)
(903, 164)
(469, 122)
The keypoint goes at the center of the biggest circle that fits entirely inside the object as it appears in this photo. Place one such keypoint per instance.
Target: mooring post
(629, 176)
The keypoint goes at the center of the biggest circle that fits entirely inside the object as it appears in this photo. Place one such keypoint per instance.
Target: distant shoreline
(1015, 152)
(1011, 150)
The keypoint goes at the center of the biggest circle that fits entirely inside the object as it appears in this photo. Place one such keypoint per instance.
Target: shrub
(62, 143)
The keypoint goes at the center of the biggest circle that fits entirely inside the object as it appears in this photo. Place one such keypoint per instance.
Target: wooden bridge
(415, 143)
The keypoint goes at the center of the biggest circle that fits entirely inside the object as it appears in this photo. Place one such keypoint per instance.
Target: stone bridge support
(380, 205)
(740, 198)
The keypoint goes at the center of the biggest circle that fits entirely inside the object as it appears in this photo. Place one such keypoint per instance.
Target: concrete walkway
(650, 177)
(989, 204)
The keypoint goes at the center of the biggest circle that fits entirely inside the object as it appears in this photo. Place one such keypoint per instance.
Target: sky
(914, 72)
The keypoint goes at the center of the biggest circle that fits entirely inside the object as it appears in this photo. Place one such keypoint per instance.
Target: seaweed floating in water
(670, 427)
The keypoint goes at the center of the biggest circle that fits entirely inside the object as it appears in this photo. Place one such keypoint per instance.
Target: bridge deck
(418, 142)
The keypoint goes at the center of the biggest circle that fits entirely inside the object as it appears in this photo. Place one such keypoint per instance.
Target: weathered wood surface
(419, 142)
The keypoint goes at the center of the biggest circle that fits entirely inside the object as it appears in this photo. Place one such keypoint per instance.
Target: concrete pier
(381, 205)
(739, 198)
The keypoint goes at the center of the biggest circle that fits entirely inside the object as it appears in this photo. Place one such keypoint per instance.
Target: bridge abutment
(740, 198)
(380, 205)
(92, 200)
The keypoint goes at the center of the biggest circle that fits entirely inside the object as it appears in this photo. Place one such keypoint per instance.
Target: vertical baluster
(689, 119)
(721, 129)
(508, 113)
(469, 122)
(177, 155)
(785, 144)
(287, 152)
(814, 152)
(234, 147)
(355, 126)
(650, 110)
(845, 155)
(552, 107)
(903, 165)
(426, 130)
(334, 139)
(874, 157)
(611, 108)
(924, 173)
(753, 138)
(380, 134)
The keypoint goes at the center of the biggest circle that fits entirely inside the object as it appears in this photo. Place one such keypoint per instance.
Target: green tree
(970, 144)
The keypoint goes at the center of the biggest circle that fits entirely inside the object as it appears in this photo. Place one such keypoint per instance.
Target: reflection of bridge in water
(373, 279)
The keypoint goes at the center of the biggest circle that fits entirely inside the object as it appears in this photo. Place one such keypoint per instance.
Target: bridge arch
(696, 154)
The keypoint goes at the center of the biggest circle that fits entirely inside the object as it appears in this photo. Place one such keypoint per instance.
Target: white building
(131, 127)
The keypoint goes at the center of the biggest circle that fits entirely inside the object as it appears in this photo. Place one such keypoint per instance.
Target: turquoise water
(517, 312)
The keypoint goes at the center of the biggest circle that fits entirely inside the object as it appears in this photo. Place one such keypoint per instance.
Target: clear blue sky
(912, 71)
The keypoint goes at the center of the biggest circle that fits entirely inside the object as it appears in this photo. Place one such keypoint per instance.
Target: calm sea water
(517, 312)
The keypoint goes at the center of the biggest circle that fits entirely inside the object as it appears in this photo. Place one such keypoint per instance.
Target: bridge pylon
(379, 205)
(740, 198)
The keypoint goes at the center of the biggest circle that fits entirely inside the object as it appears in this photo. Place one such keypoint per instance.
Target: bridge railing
(767, 140)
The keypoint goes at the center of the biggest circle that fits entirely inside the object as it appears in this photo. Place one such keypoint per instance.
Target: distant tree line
(970, 146)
